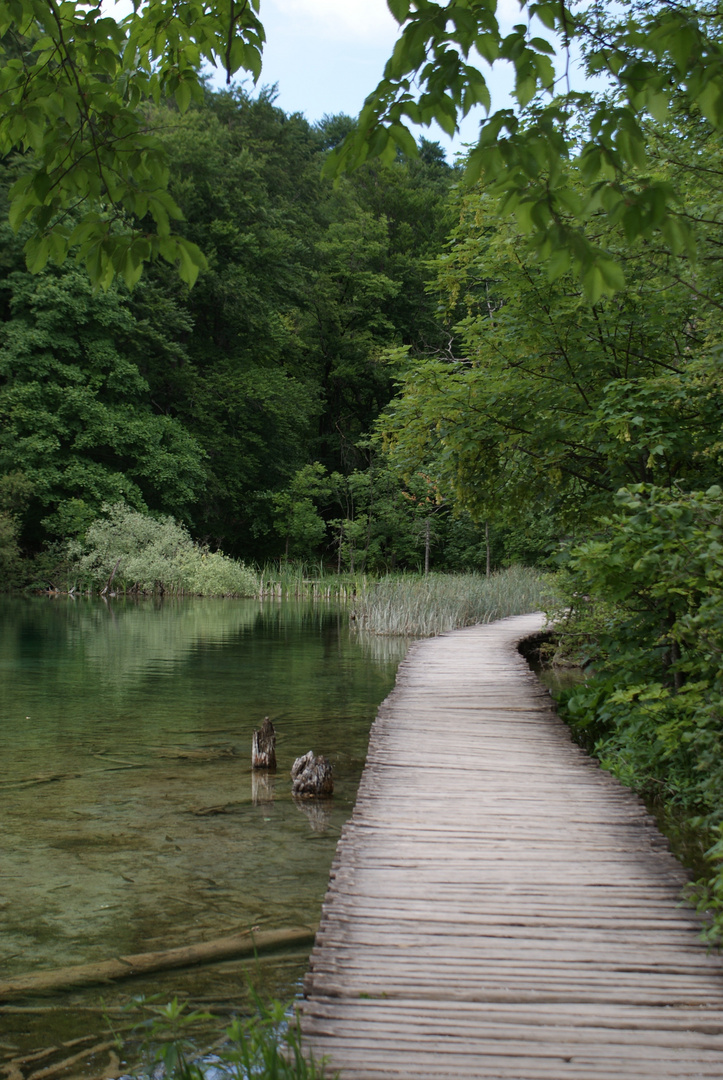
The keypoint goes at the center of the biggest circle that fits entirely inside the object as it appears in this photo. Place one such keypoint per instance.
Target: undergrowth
(644, 612)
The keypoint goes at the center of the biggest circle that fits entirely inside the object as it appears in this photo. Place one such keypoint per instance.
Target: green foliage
(211, 573)
(648, 605)
(656, 58)
(15, 491)
(77, 415)
(550, 403)
(206, 404)
(657, 691)
(168, 1038)
(80, 87)
(277, 364)
(296, 518)
(380, 527)
(155, 555)
(269, 1046)
(265, 1046)
(10, 560)
(76, 85)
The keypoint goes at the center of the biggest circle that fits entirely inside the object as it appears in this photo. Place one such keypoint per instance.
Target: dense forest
(242, 407)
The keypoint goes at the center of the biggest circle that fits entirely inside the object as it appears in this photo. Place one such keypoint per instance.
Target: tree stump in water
(312, 776)
(263, 746)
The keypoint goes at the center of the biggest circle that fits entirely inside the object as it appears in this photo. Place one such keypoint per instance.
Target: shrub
(648, 594)
(210, 573)
(155, 555)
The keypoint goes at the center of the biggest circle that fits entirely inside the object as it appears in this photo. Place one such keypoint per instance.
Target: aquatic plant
(263, 1046)
(289, 579)
(416, 605)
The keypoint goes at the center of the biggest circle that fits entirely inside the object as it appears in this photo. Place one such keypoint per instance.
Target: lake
(131, 819)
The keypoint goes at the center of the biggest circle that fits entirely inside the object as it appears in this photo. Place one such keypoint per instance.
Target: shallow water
(121, 726)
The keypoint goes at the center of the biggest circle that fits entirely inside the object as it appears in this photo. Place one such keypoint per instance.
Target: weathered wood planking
(500, 907)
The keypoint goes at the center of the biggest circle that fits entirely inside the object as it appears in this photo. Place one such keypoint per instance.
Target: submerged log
(263, 746)
(204, 753)
(312, 776)
(247, 943)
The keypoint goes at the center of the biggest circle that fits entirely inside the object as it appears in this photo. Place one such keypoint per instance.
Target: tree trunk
(263, 746)
(427, 542)
(245, 944)
(487, 545)
(109, 582)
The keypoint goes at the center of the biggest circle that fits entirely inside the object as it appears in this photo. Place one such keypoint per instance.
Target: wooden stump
(263, 746)
(312, 776)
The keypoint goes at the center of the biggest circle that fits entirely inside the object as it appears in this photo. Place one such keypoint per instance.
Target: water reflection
(318, 812)
(131, 817)
(263, 786)
(381, 648)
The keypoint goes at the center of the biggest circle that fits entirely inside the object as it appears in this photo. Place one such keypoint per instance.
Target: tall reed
(422, 606)
(308, 581)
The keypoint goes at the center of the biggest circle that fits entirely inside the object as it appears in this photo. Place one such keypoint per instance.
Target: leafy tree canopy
(656, 57)
(76, 86)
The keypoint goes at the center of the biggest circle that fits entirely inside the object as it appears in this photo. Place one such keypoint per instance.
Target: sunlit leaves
(399, 9)
(74, 84)
(654, 56)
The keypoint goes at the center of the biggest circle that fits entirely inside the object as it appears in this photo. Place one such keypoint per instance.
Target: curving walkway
(499, 906)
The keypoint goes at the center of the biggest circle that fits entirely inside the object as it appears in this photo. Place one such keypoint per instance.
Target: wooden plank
(498, 906)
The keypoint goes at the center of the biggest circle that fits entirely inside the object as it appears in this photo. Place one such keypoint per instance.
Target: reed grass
(283, 580)
(415, 605)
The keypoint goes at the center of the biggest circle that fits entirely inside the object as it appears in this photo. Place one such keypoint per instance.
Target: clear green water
(119, 725)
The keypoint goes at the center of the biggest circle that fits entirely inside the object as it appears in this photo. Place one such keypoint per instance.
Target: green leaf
(182, 95)
(558, 263)
(37, 253)
(525, 89)
(191, 261)
(710, 101)
(399, 9)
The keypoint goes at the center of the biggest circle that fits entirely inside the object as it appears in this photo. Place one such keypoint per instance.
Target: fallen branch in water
(61, 1066)
(123, 967)
(46, 778)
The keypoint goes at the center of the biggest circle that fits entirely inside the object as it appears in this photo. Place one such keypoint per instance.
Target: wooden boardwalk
(499, 906)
